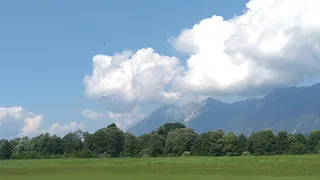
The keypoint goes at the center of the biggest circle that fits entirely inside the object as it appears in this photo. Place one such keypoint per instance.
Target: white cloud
(274, 43)
(123, 120)
(18, 122)
(32, 125)
(140, 76)
(89, 114)
(61, 130)
(28, 121)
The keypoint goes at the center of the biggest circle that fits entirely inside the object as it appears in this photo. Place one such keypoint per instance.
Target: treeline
(171, 139)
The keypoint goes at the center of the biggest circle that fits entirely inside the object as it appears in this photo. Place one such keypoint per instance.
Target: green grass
(184, 168)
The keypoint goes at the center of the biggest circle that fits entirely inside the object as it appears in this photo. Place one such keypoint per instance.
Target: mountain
(293, 109)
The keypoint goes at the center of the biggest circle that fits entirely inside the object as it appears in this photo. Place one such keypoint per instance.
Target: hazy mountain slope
(294, 109)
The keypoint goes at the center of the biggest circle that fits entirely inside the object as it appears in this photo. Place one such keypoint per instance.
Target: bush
(145, 156)
(85, 154)
(246, 153)
(186, 153)
(16, 156)
(144, 153)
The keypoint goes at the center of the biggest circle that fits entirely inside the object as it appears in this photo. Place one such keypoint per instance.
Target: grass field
(186, 168)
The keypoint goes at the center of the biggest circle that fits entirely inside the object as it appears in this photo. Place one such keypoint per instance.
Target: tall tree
(6, 150)
(179, 141)
(209, 144)
(262, 143)
(132, 145)
(313, 141)
(282, 143)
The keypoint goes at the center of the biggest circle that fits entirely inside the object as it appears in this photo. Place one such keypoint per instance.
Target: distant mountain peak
(211, 101)
(294, 109)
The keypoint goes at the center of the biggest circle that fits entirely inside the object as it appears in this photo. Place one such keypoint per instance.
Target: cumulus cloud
(274, 43)
(89, 114)
(123, 120)
(64, 129)
(140, 76)
(17, 121)
(28, 121)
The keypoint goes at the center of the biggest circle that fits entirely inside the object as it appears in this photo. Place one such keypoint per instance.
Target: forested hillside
(171, 139)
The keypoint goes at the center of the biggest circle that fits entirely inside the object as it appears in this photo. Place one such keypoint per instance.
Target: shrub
(186, 153)
(16, 156)
(85, 154)
(144, 153)
(246, 153)
(145, 156)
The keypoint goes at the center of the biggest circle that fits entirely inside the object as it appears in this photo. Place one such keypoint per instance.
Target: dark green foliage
(171, 139)
(131, 145)
(313, 141)
(262, 143)
(209, 144)
(6, 150)
(179, 141)
(86, 153)
(106, 140)
(298, 149)
(156, 145)
(282, 143)
(172, 126)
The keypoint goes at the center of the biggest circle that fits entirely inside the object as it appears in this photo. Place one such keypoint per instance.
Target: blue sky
(47, 47)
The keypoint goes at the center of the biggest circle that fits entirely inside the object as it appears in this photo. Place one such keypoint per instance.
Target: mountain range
(293, 109)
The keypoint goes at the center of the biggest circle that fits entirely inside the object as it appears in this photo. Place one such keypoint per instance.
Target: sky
(69, 65)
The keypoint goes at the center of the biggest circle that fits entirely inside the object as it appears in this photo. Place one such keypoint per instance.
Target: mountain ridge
(294, 109)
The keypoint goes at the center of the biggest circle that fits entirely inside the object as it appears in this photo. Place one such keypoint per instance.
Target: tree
(282, 143)
(6, 150)
(230, 145)
(313, 141)
(241, 144)
(262, 143)
(209, 144)
(71, 143)
(298, 149)
(172, 126)
(157, 145)
(113, 125)
(179, 141)
(106, 140)
(131, 145)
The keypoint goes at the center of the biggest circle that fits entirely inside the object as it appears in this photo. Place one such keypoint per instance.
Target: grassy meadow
(184, 168)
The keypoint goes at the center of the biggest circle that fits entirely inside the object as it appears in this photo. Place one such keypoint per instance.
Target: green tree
(209, 144)
(313, 141)
(262, 143)
(108, 140)
(156, 145)
(6, 150)
(241, 144)
(72, 143)
(298, 149)
(231, 145)
(282, 143)
(179, 141)
(131, 145)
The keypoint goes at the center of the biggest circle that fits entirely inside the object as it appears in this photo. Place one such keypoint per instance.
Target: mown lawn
(184, 168)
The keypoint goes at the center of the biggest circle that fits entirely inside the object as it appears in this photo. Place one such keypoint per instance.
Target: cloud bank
(274, 43)
(17, 121)
(123, 120)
